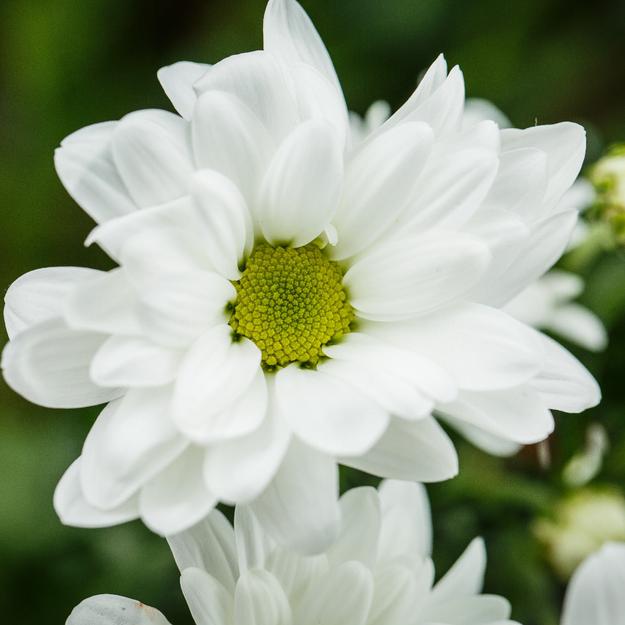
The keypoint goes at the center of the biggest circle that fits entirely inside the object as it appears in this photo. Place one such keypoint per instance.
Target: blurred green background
(68, 63)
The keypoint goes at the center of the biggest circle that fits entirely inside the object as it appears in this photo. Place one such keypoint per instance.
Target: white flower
(284, 302)
(580, 524)
(377, 573)
(595, 595)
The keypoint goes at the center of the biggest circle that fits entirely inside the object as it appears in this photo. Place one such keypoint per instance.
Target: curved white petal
(260, 600)
(408, 276)
(152, 153)
(301, 187)
(342, 597)
(481, 347)
(209, 602)
(289, 34)
(564, 383)
(516, 414)
(327, 413)
(261, 82)
(177, 82)
(131, 441)
(565, 146)
(105, 302)
(300, 507)
(360, 528)
(410, 450)
(209, 545)
(84, 163)
(73, 509)
(49, 365)
(176, 309)
(397, 596)
(238, 470)
(214, 373)
(114, 610)
(229, 137)
(406, 531)
(253, 544)
(176, 498)
(595, 593)
(379, 181)
(39, 295)
(124, 361)
(580, 325)
(229, 234)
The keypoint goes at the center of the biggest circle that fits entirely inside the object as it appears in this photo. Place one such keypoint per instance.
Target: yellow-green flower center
(290, 302)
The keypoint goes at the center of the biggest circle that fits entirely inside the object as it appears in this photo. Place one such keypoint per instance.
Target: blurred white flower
(581, 523)
(595, 594)
(284, 303)
(378, 572)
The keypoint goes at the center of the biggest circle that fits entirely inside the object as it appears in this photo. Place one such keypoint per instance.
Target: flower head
(377, 572)
(287, 299)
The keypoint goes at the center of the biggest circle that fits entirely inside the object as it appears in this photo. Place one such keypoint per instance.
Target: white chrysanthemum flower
(285, 302)
(595, 595)
(378, 572)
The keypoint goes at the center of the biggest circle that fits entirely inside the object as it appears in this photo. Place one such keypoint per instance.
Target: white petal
(360, 528)
(491, 444)
(451, 188)
(176, 309)
(228, 222)
(208, 545)
(300, 506)
(152, 152)
(229, 138)
(407, 276)
(580, 325)
(406, 522)
(543, 248)
(253, 545)
(238, 470)
(289, 34)
(214, 373)
(342, 597)
(301, 188)
(564, 383)
(565, 146)
(133, 362)
(327, 413)
(465, 577)
(49, 365)
(517, 414)
(262, 83)
(477, 110)
(209, 602)
(39, 295)
(85, 165)
(483, 609)
(131, 441)
(73, 509)
(260, 600)
(410, 450)
(114, 610)
(379, 182)
(106, 302)
(177, 497)
(396, 596)
(177, 82)
(595, 593)
(482, 348)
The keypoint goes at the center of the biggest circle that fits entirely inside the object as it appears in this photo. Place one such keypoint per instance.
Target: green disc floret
(290, 303)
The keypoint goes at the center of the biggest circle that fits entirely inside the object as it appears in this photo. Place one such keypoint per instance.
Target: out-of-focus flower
(581, 523)
(284, 302)
(595, 595)
(586, 464)
(378, 572)
(608, 177)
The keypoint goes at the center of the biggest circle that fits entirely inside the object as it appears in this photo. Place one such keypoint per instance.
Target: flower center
(290, 302)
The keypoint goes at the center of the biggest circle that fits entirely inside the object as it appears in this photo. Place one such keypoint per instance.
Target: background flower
(378, 571)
